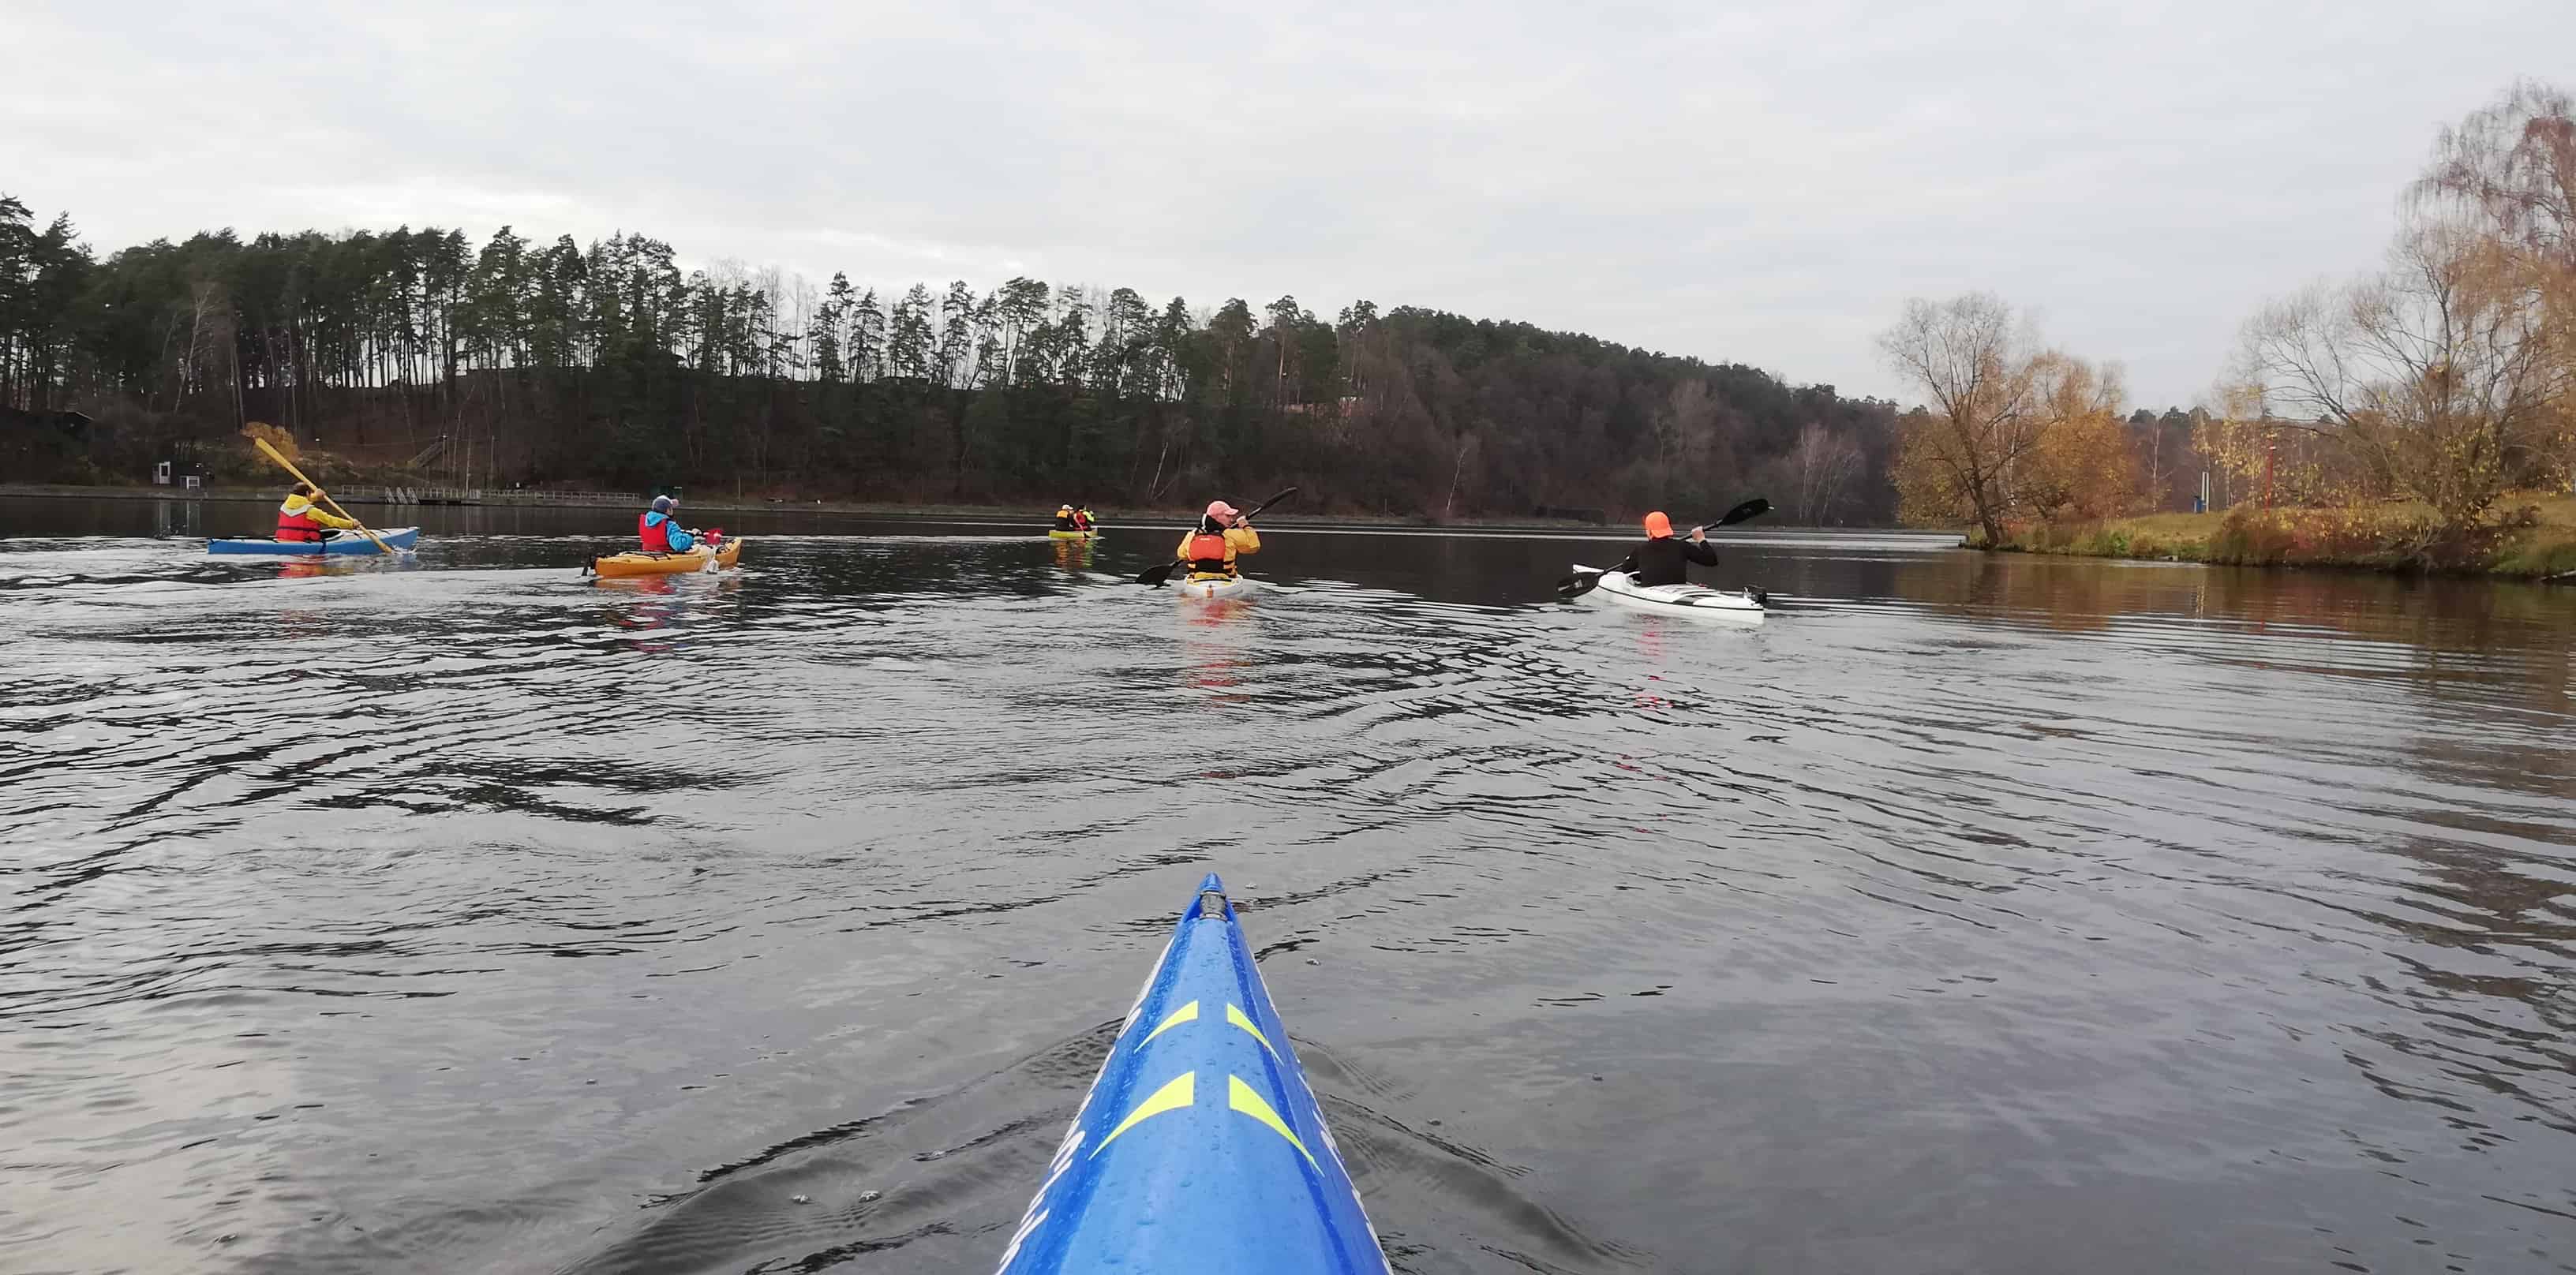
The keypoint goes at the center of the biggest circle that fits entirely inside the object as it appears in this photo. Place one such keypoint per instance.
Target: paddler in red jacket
(301, 521)
(662, 533)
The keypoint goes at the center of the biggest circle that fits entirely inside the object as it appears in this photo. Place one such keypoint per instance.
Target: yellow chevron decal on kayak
(1185, 1014)
(1171, 1097)
(1240, 1096)
(1240, 1019)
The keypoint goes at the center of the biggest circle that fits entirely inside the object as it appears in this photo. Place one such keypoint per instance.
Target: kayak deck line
(1200, 1147)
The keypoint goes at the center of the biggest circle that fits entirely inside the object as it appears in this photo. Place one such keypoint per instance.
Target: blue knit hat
(662, 504)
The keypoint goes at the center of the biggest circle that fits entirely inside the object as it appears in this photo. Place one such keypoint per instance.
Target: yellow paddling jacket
(1199, 550)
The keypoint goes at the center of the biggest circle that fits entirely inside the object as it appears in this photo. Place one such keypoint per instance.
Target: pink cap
(1220, 511)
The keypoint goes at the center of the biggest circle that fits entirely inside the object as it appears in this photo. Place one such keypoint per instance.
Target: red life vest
(655, 535)
(1207, 552)
(298, 528)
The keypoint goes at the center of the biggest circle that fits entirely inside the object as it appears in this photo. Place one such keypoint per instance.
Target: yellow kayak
(1053, 534)
(639, 563)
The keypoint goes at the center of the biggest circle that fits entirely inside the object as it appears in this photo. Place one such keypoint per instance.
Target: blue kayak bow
(1200, 1148)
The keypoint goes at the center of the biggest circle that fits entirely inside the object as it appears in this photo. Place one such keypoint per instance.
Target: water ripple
(468, 915)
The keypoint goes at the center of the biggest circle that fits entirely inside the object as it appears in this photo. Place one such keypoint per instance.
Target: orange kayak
(639, 563)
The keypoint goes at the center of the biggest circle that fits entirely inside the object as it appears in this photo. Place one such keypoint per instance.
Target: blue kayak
(345, 542)
(1200, 1149)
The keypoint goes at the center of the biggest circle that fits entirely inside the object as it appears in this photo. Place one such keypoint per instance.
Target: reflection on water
(1974, 913)
(1074, 555)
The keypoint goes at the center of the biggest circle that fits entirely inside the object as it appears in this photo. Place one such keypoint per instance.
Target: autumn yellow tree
(2081, 465)
(2257, 455)
(2010, 429)
(2230, 439)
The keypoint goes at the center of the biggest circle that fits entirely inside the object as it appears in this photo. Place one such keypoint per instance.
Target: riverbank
(2531, 537)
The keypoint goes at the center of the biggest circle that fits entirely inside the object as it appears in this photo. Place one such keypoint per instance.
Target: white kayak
(1734, 606)
(1235, 587)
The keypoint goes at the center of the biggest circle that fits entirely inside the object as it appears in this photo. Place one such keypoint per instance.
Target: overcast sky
(1762, 185)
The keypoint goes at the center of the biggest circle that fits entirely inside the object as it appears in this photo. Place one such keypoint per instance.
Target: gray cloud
(1756, 184)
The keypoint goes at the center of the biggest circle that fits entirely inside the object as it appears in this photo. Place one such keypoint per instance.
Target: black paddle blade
(1575, 586)
(1750, 509)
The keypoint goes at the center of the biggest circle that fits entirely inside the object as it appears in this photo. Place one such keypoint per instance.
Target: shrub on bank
(2389, 537)
(2547, 550)
(2122, 538)
(2394, 537)
(2525, 541)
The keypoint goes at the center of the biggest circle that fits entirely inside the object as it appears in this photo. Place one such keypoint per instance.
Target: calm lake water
(1974, 914)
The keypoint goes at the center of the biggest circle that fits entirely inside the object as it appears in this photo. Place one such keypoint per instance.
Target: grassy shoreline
(2529, 537)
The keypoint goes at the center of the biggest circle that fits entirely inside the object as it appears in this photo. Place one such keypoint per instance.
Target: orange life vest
(297, 527)
(1207, 553)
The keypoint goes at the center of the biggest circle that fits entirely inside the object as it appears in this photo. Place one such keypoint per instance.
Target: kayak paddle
(1581, 582)
(1158, 576)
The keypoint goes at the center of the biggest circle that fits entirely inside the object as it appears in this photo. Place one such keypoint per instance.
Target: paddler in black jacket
(1660, 560)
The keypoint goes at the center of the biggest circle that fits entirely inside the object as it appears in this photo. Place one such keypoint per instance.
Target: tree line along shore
(413, 358)
(2384, 421)
(2420, 416)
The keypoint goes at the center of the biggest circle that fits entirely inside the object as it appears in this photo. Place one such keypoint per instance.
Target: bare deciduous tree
(2439, 374)
(1822, 463)
(2509, 171)
(2512, 167)
(1958, 459)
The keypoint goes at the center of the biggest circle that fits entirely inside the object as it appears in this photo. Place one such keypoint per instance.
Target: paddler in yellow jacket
(301, 521)
(1210, 551)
